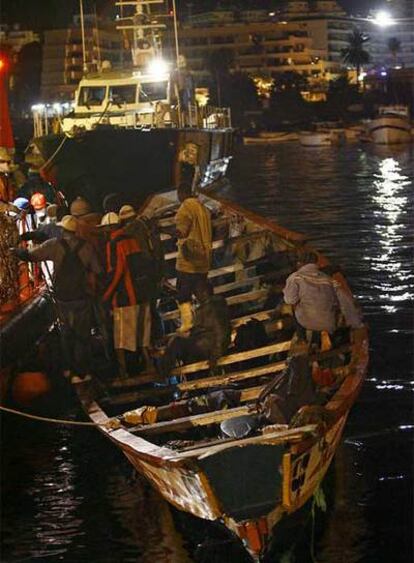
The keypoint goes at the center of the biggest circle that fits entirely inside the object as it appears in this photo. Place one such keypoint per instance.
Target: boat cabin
(120, 99)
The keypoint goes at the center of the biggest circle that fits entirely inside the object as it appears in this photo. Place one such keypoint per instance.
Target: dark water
(68, 495)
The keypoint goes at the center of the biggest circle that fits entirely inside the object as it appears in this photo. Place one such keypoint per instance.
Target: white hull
(390, 130)
(317, 139)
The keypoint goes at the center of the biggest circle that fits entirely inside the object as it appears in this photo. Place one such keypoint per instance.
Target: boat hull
(315, 139)
(390, 130)
(132, 162)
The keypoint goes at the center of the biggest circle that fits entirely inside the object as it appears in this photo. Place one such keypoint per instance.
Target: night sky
(46, 14)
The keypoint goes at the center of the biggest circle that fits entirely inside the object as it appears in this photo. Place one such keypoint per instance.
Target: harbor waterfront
(61, 502)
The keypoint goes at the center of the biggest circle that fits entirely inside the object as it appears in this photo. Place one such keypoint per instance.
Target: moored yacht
(391, 126)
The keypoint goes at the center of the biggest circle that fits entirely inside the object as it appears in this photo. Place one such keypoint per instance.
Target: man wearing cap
(127, 291)
(75, 266)
(87, 221)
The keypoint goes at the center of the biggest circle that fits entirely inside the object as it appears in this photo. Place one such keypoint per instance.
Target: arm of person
(350, 311)
(37, 236)
(183, 222)
(291, 291)
(116, 272)
(46, 251)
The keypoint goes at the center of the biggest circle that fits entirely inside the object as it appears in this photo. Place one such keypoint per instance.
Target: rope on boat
(111, 423)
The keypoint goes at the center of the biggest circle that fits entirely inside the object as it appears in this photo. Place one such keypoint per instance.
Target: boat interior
(252, 257)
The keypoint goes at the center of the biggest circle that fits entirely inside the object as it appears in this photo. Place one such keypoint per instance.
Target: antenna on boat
(82, 22)
(177, 50)
(144, 26)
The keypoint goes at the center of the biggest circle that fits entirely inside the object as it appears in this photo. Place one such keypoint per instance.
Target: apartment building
(304, 37)
(13, 38)
(63, 64)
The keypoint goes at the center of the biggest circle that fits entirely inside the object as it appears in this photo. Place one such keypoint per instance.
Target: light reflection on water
(67, 495)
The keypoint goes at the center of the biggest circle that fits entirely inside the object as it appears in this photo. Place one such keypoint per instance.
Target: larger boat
(175, 434)
(134, 131)
(391, 126)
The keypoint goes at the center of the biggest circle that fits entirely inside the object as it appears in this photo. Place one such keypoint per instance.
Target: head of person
(22, 203)
(184, 191)
(69, 224)
(5, 161)
(80, 207)
(109, 222)
(112, 202)
(203, 290)
(39, 203)
(127, 214)
(307, 257)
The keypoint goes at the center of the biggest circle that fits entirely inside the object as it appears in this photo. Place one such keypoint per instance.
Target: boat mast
(145, 27)
(82, 22)
(177, 50)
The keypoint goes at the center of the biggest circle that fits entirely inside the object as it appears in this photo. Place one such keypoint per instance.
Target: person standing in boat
(318, 300)
(127, 291)
(87, 222)
(76, 266)
(146, 233)
(194, 234)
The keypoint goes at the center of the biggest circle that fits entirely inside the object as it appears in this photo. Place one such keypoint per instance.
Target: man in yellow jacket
(193, 225)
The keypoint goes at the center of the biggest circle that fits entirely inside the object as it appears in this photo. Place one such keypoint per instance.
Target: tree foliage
(355, 54)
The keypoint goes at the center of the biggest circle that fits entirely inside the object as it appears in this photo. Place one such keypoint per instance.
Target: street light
(383, 19)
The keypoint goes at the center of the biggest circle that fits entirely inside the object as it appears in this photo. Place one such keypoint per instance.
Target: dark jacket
(212, 326)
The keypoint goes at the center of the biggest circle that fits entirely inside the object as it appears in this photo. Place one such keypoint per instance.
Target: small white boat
(391, 126)
(317, 138)
(269, 138)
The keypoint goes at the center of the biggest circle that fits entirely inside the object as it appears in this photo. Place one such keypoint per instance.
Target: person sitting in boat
(194, 233)
(318, 300)
(76, 265)
(209, 337)
(128, 291)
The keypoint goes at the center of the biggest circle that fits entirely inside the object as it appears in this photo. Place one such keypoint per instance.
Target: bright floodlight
(158, 68)
(383, 19)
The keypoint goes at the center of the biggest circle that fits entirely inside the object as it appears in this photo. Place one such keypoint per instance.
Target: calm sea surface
(68, 495)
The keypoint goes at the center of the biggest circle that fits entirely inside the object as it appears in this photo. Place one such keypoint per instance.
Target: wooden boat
(249, 484)
(270, 138)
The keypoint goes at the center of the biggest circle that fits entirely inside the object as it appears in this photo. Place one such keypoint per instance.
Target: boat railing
(48, 118)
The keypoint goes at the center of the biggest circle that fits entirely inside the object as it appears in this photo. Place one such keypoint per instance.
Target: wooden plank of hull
(232, 300)
(213, 381)
(237, 357)
(187, 422)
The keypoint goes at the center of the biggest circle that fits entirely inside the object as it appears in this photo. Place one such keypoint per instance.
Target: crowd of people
(106, 273)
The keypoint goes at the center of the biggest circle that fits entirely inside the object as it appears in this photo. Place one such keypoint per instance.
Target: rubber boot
(186, 315)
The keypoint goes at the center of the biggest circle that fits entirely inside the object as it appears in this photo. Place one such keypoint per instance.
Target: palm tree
(355, 54)
(394, 47)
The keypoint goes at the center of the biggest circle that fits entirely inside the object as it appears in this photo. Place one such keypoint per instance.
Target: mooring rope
(112, 422)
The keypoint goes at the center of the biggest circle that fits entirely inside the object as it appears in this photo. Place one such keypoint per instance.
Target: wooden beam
(191, 421)
(227, 379)
(227, 242)
(237, 357)
(273, 438)
(232, 300)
